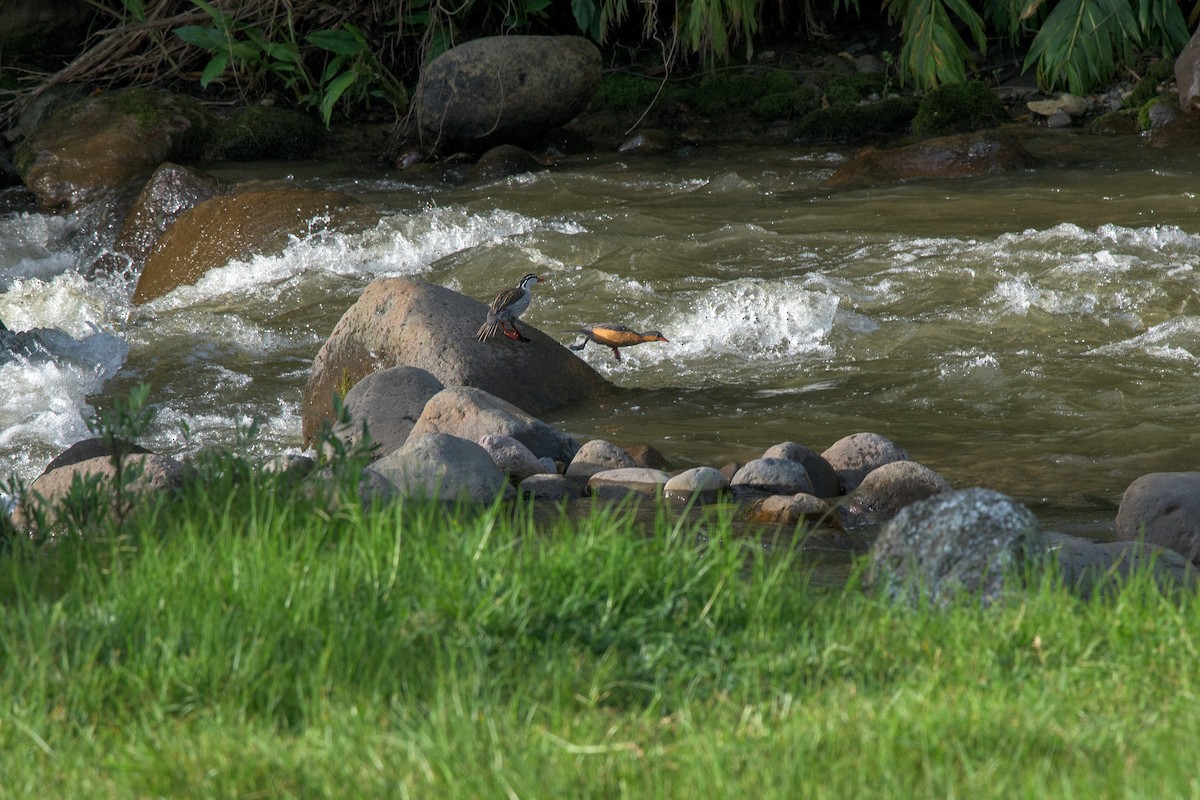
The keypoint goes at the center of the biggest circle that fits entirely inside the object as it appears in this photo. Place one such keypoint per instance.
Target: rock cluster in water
(434, 436)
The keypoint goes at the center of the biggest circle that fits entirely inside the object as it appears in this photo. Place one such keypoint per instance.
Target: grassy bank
(244, 641)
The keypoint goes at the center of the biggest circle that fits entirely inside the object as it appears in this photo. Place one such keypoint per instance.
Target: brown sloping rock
(102, 142)
(170, 191)
(214, 232)
(504, 90)
(987, 152)
(404, 321)
(472, 414)
(154, 473)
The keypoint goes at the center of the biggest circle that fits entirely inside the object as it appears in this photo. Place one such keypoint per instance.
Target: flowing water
(1035, 333)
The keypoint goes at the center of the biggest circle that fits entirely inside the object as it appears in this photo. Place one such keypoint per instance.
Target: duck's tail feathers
(487, 330)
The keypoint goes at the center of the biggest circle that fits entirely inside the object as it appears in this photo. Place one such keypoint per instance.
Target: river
(1036, 333)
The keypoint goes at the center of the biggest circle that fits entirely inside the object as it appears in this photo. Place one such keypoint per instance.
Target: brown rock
(216, 231)
(987, 152)
(155, 474)
(404, 321)
(853, 456)
(472, 414)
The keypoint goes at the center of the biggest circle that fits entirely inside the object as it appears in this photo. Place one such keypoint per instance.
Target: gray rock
(889, 488)
(170, 191)
(550, 466)
(87, 449)
(504, 90)
(703, 483)
(292, 464)
(389, 402)
(472, 413)
(976, 542)
(403, 321)
(773, 476)
(444, 466)
(853, 456)
(598, 455)
(549, 487)
(513, 458)
(820, 472)
(618, 482)
(1089, 567)
(1163, 508)
(1059, 119)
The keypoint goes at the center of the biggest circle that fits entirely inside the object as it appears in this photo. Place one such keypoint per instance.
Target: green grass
(248, 640)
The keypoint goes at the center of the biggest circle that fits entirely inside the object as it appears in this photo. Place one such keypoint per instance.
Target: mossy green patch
(623, 92)
(957, 108)
(850, 124)
(262, 132)
(850, 90)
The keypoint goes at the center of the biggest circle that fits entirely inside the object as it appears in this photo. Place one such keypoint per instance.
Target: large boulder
(405, 321)
(772, 476)
(1163, 508)
(216, 231)
(100, 143)
(1187, 74)
(472, 413)
(974, 542)
(170, 191)
(982, 153)
(504, 90)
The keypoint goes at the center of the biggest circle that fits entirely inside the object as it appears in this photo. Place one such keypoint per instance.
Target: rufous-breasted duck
(506, 309)
(616, 336)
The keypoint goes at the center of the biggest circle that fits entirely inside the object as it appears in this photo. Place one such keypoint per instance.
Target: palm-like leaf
(1080, 42)
(934, 53)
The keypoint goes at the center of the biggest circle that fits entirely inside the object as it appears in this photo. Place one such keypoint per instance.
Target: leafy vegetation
(366, 53)
(958, 108)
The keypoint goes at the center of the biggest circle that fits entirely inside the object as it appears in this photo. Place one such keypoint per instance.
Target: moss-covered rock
(958, 108)
(1157, 112)
(851, 124)
(1114, 123)
(1147, 88)
(96, 144)
(266, 132)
